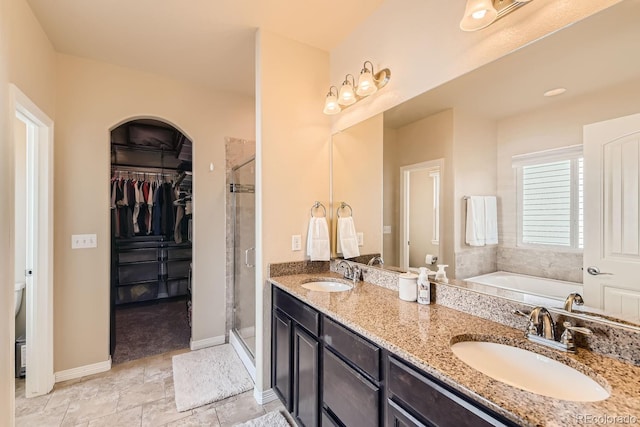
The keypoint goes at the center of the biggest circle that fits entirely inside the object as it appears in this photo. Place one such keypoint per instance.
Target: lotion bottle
(424, 286)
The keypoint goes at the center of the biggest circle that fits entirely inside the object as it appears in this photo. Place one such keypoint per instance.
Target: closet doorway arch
(151, 222)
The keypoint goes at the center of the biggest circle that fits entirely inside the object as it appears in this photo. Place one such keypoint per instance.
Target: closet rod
(137, 168)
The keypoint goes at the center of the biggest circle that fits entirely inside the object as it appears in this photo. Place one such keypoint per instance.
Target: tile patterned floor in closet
(137, 393)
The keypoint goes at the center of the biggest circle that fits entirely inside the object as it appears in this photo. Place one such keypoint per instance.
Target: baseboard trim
(263, 397)
(242, 354)
(207, 342)
(83, 371)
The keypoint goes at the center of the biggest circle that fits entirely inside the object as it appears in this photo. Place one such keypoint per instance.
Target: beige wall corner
(293, 141)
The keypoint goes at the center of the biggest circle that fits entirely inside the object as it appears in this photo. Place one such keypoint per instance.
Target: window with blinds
(550, 195)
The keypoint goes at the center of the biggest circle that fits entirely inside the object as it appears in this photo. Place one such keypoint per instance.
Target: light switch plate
(84, 241)
(296, 242)
(360, 238)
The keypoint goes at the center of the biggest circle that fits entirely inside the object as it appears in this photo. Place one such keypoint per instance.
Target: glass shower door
(244, 289)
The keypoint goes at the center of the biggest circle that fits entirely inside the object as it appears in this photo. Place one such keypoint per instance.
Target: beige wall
(293, 142)
(432, 138)
(421, 218)
(357, 177)
(421, 42)
(93, 98)
(27, 60)
(390, 190)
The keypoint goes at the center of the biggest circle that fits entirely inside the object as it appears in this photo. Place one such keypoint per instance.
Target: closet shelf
(138, 262)
(139, 282)
(178, 259)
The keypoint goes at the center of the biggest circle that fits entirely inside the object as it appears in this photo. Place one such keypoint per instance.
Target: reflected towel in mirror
(347, 240)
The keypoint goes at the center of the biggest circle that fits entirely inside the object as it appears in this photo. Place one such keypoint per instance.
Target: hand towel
(491, 220)
(347, 240)
(318, 239)
(475, 233)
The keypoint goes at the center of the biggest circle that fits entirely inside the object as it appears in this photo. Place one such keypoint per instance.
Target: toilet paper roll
(430, 259)
(408, 286)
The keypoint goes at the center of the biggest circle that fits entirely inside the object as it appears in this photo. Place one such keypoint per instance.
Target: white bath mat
(271, 419)
(208, 375)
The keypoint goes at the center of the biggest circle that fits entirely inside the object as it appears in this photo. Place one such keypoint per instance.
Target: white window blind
(550, 195)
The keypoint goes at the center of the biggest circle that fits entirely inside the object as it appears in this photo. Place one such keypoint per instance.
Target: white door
(612, 216)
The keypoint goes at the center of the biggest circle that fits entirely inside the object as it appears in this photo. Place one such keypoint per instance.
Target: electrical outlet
(360, 238)
(84, 241)
(296, 242)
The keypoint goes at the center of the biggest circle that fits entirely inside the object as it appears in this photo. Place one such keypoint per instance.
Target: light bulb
(347, 96)
(478, 14)
(366, 85)
(331, 104)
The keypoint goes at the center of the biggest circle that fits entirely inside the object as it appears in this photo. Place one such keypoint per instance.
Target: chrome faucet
(573, 298)
(541, 330)
(540, 318)
(351, 272)
(376, 259)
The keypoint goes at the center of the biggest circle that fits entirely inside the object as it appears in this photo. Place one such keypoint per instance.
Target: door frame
(405, 171)
(39, 293)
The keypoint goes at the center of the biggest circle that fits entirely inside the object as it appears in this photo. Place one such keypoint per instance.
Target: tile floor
(136, 393)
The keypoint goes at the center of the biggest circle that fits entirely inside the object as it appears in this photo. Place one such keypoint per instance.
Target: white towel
(475, 233)
(491, 220)
(318, 240)
(347, 239)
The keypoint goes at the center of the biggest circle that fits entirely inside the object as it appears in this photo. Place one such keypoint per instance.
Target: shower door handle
(246, 257)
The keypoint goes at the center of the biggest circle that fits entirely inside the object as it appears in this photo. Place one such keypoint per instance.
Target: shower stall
(243, 328)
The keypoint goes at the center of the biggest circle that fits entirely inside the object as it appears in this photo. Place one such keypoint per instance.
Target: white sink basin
(529, 371)
(327, 286)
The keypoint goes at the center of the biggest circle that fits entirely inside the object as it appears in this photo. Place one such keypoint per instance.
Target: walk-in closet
(151, 234)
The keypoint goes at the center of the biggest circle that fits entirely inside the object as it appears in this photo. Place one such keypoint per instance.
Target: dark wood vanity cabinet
(416, 399)
(295, 366)
(328, 375)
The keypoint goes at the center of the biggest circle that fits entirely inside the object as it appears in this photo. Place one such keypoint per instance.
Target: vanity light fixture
(331, 102)
(368, 83)
(479, 14)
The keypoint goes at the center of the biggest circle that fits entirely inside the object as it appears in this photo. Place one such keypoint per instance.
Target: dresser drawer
(297, 310)
(353, 399)
(352, 347)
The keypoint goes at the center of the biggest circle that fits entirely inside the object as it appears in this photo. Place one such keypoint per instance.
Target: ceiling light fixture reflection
(555, 92)
(479, 14)
(368, 83)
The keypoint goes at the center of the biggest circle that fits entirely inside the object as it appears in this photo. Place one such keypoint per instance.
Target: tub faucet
(573, 298)
(376, 259)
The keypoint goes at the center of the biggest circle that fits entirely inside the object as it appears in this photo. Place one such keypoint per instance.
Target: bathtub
(535, 289)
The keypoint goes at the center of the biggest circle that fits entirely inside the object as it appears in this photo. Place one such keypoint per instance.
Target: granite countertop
(423, 334)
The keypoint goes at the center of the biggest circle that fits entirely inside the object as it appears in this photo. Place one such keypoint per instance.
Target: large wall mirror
(466, 134)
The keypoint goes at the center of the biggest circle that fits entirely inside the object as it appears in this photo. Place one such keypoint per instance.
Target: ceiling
(596, 53)
(208, 42)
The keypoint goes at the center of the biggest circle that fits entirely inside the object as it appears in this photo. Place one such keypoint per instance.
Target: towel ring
(344, 205)
(317, 205)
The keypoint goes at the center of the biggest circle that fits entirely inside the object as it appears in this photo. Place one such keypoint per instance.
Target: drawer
(136, 293)
(144, 271)
(297, 310)
(179, 252)
(353, 399)
(178, 269)
(136, 255)
(432, 403)
(353, 347)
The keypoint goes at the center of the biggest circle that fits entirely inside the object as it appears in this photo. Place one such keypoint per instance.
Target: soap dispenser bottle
(441, 275)
(424, 286)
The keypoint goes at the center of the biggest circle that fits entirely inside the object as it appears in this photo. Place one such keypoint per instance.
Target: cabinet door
(281, 357)
(306, 376)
